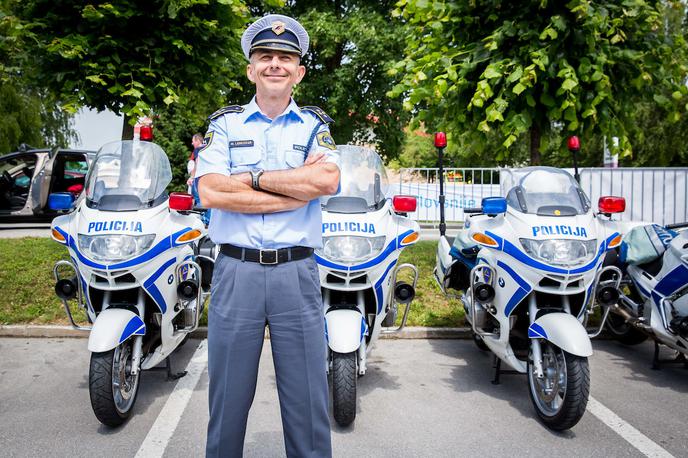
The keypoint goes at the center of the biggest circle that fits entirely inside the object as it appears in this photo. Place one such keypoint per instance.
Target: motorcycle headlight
(561, 252)
(351, 248)
(114, 247)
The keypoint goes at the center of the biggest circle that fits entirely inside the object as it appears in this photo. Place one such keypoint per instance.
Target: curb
(48, 331)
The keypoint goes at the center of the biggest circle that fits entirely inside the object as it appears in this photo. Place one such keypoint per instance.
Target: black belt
(266, 257)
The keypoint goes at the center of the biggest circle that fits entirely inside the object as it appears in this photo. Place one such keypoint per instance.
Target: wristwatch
(255, 178)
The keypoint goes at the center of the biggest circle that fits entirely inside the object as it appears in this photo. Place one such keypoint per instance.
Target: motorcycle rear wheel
(111, 386)
(561, 397)
(624, 332)
(344, 387)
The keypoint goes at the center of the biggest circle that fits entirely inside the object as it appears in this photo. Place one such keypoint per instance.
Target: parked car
(28, 176)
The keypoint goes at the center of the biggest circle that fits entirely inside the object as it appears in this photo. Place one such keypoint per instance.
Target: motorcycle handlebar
(677, 225)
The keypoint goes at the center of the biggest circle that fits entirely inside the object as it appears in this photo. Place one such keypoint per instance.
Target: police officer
(263, 167)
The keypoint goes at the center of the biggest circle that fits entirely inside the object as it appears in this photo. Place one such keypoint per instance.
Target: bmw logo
(501, 282)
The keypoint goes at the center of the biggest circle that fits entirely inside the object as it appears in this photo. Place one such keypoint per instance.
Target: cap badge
(278, 27)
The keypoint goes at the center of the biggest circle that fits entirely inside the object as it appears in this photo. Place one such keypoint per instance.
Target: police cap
(275, 32)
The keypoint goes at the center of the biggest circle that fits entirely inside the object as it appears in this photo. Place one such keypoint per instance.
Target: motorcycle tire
(479, 342)
(113, 398)
(572, 397)
(624, 332)
(391, 317)
(344, 387)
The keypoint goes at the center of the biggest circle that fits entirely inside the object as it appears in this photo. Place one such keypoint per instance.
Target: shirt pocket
(294, 158)
(245, 159)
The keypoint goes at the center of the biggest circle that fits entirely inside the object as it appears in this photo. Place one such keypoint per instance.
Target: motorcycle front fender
(345, 330)
(112, 327)
(564, 331)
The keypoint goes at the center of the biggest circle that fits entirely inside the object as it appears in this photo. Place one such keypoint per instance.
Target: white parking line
(634, 437)
(154, 444)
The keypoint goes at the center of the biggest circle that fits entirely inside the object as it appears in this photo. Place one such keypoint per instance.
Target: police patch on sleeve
(326, 140)
(207, 140)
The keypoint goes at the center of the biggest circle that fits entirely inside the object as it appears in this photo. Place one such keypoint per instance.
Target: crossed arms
(281, 190)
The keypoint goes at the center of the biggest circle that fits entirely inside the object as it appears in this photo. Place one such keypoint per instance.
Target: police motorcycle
(364, 232)
(135, 267)
(526, 266)
(652, 290)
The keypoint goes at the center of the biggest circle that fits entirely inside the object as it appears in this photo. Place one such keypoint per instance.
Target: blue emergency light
(60, 200)
(494, 205)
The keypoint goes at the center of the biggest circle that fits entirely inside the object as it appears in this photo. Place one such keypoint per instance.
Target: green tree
(353, 45)
(133, 57)
(495, 74)
(27, 114)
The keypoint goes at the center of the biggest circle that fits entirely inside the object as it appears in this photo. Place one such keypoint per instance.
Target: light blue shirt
(241, 140)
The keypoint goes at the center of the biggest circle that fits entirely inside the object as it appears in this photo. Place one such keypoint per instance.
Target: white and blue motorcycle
(527, 265)
(653, 291)
(134, 267)
(364, 233)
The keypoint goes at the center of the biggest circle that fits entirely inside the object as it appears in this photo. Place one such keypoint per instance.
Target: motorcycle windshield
(363, 182)
(128, 175)
(544, 191)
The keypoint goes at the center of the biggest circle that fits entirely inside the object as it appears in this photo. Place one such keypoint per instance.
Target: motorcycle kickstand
(679, 359)
(497, 365)
(170, 375)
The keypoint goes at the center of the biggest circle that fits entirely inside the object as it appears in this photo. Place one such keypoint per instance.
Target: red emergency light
(146, 133)
(440, 139)
(181, 201)
(573, 143)
(404, 204)
(611, 204)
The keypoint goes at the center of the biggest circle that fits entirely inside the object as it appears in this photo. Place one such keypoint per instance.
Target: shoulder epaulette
(225, 110)
(319, 113)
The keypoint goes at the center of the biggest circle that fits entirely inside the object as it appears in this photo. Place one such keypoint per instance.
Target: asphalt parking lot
(420, 398)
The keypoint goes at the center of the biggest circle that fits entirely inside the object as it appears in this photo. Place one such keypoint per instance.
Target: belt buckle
(272, 252)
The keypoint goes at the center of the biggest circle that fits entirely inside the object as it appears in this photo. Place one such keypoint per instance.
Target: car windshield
(363, 182)
(128, 175)
(544, 191)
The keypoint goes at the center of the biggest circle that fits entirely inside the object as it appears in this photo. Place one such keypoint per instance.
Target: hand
(189, 181)
(314, 159)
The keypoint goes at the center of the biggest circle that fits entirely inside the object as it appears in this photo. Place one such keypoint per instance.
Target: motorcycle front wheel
(561, 396)
(111, 385)
(344, 387)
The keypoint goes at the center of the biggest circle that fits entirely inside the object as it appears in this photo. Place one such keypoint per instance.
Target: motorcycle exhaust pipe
(483, 292)
(66, 288)
(608, 295)
(403, 292)
(188, 290)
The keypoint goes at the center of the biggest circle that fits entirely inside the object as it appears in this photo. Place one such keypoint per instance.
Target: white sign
(457, 197)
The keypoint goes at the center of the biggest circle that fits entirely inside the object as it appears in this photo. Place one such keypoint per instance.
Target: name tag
(300, 148)
(240, 143)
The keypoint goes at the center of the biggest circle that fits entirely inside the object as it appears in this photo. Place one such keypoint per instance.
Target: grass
(27, 295)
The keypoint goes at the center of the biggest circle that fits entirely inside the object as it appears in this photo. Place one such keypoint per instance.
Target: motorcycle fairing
(153, 290)
(378, 287)
(521, 291)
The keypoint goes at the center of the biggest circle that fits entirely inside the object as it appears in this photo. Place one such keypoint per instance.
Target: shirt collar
(253, 112)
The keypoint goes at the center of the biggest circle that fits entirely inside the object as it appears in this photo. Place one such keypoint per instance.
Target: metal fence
(657, 195)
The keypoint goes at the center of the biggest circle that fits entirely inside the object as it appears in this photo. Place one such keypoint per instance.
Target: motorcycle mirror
(611, 204)
(493, 205)
(60, 201)
(404, 204)
(181, 201)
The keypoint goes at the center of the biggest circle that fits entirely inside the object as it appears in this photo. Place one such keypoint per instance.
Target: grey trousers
(245, 297)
